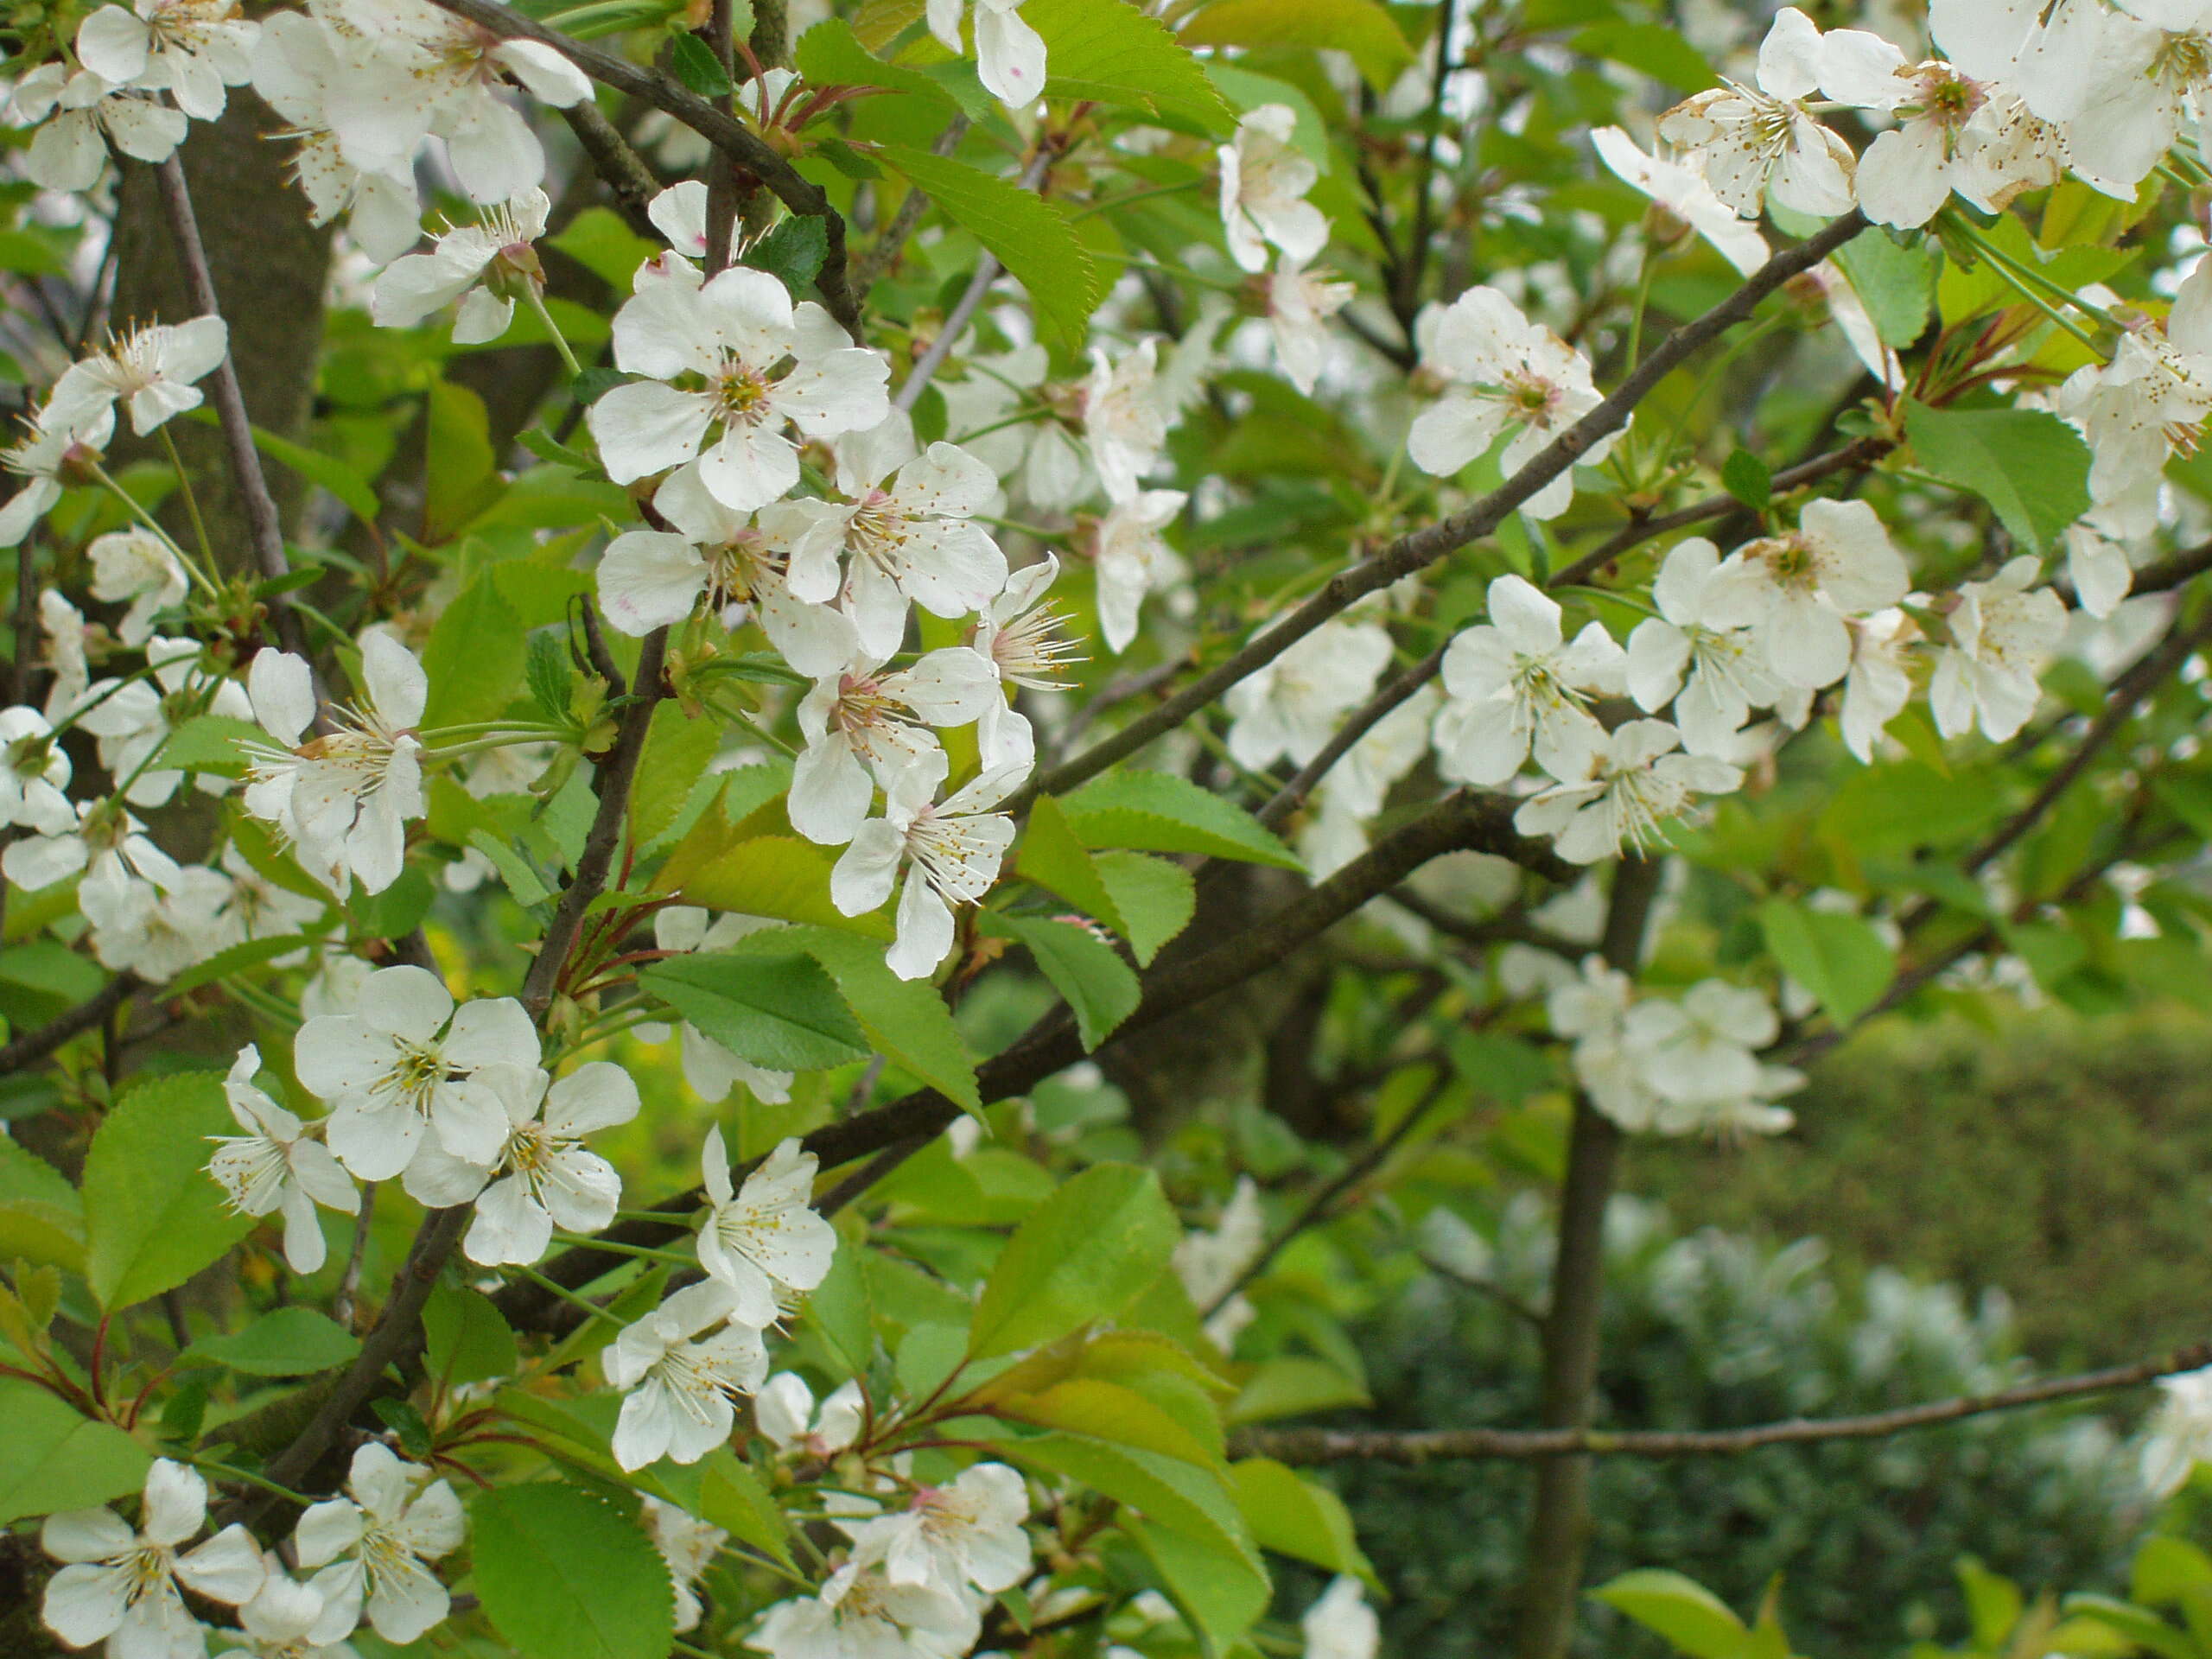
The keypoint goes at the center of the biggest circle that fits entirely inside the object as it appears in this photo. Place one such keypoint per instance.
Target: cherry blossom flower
(1340, 1625)
(2098, 564)
(651, 578)
(2122, 85)
(370, 1550)
(344, 796)
(689, 1545)
(905, 531)
(2179, 1436)
(784, 1412)
(1132, 560)
(762, 1243)
(546, 1177)
(681, 1366)
(1299, 302)
(968, 1531)
(34, 770)
(189, 48)
(1123, 421)
(279, 1623)
(278, 1165)
(134, 720)
(2004, 633)
(486, 266)
(1504, 376)
(1703, 1047)
(863, 725)
(1880, 683)
(58, 445)
(864, 1615)
(1354, 790)
(1796, 589)
(2152, 398)
(106, 841)
(1681, 194)
(1291, 706)
(139, 566)
(726, 341)
(951, 851)
(711, 1070)
(1726, 673)
(1264, 179)
(1591, 1011)
(1753, 144)
(1209, 1263)
(1009, 54)
(258, 908)
(79, 115)
(1516, 687)
(1019, 636)
(1633, 786)
(298, 63)
(409, 69)
(1039, 459)
(401, 1064)
(149, 370)
(123, 1586)
(155, 932)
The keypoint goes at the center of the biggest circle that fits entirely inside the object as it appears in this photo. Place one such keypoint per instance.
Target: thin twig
(987, 269)
(620, 168)
(264, 527)
(1415, 1446)
(349, 1283)
(35, 1044)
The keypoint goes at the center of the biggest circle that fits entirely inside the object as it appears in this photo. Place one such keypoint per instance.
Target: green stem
(247, 1475)
(148, 520)
(537, 303)
(191, 500)
(638, 1250)
(583, 1305)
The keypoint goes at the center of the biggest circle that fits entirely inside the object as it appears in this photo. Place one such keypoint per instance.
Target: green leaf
(598, 241)
(1184, 1497)
(289, 1342)
(1159, 813)
(1082, 1255)
(1107, 1411)
(1361, 28)
(1110, 52)
(1690, 1617)
(41, 1218)
(547, 672)
(1291, 1385)
(473, 656)
(905, 1020)
(524, 882)
(463, 475)
(464, 1340)
(1156, 898)
(1895, 283)
(829, 54)
(53, 1459)
(1652, 49)
(1747, 478)
(252, 953)
(2031, 466)
(153, 1215)
(779, 876)
(676, 751)
(793, 251)
(731, 1497)
(354, 492)
(566, 1575)
(1098, 985)
(696, 66)
(2165, 1568)
(1220, 1591)
(1032, 238)
(1052, 857)
(1837, 957)
(210, 743)
(1297, 1518)
(781, 1011)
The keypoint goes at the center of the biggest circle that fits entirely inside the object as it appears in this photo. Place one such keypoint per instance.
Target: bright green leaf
(1690, 1615)
(153, 1215)
(677, 749)
(289, 1342)
(52, 1458)
(1098, 985)
(1360, 29)
(1295, 1518)
(780, 876)
(464, 1340)
(1052, 857)
(473, 656)
(1082, 1255)
(41, 1218)
(782, 1011)
(2031, 466)
(563, 1574)
(1895, 283)
(462, 477)
(1156, 898)
(905, 1020)
(1159, 813)
(1110, 52)
(1839, 958)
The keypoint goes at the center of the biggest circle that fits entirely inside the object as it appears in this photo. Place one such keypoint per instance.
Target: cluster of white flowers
(1264, 179)
(1669, 1065)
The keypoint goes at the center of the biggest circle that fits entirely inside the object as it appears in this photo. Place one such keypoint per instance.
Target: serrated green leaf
(1053, 857)
(777, 876)
(52, 1458)
(214, 744)
(731, 1497)
(1111, 52)
(1159, 813)
(527, 886)
(779, 1011)
(1837, 957)
(1361, 28)
(41, 1218)
(1747, 478)
(464, 1340)
(793, 251)
(289, 1342)
(696, 66)
(462, 476)
(2031, 466)
(1295, 1518)
(563, 1574)
(1895, 283)
(1156, 898)
(1030, 236)
(677, 750)
(1098, 985)
(153, 1215)
(1081, 1256)
(1107, 1411)
(905, 1020)
(473, 656)
(1220, 1591)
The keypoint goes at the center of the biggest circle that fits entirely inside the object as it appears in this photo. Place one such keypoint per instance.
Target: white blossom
(1797, 588)
(1354, 791)
(968, 1531)
(680, 1367)
(1633, 786)
(1340, 1625)
(1516, 687)
(949, 851)
(1264, 179)
(123, 1586)
(1132, 560)
(486, 266)
(1019, 637)
(149, 370)
(1754, 144)
(862, 726)
(1291, 706)
(784, 1412)
(155, 932)
(34, 770)
(137, 566)
(1685, 196)
(2179, 1434)
(57, 444)
(78, 116)
(278, 1164)
(546, 1177)
(298, 63)
(1691, 654)
(1880, 683)
(689, 1545)
(371, 1549)
(864, 1616)
(1010, 54)
(728, 343)
(762, 1243)
(191, 50)
(1299, 302)
(1123, 421)
(2004, 632)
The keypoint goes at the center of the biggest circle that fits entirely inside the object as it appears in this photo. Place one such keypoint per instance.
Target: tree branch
(619, 168)
(91, 1014)
(1417, 1446)
(263, 525)
(726, 132)
(1422, 548)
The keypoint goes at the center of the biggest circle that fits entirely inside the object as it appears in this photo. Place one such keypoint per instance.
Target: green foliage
(287, 1341)
(2030, 465)
(781, 1011)
(152, 1217)
(1836, 957)
(566, 1575)
(1082, 968)
(1081, 1256)
(1159, 813)
(53, 1458)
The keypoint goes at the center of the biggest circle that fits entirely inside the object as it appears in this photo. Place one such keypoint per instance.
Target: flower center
(740, 393)
(1031, 649)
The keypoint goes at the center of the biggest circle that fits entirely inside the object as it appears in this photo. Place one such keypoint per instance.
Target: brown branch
(88, 1015)
(1465, 820)
(1417, 1446)
(620, 168)
(1422, 548)
(263, 525)
(615, 775)
(744, 147)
